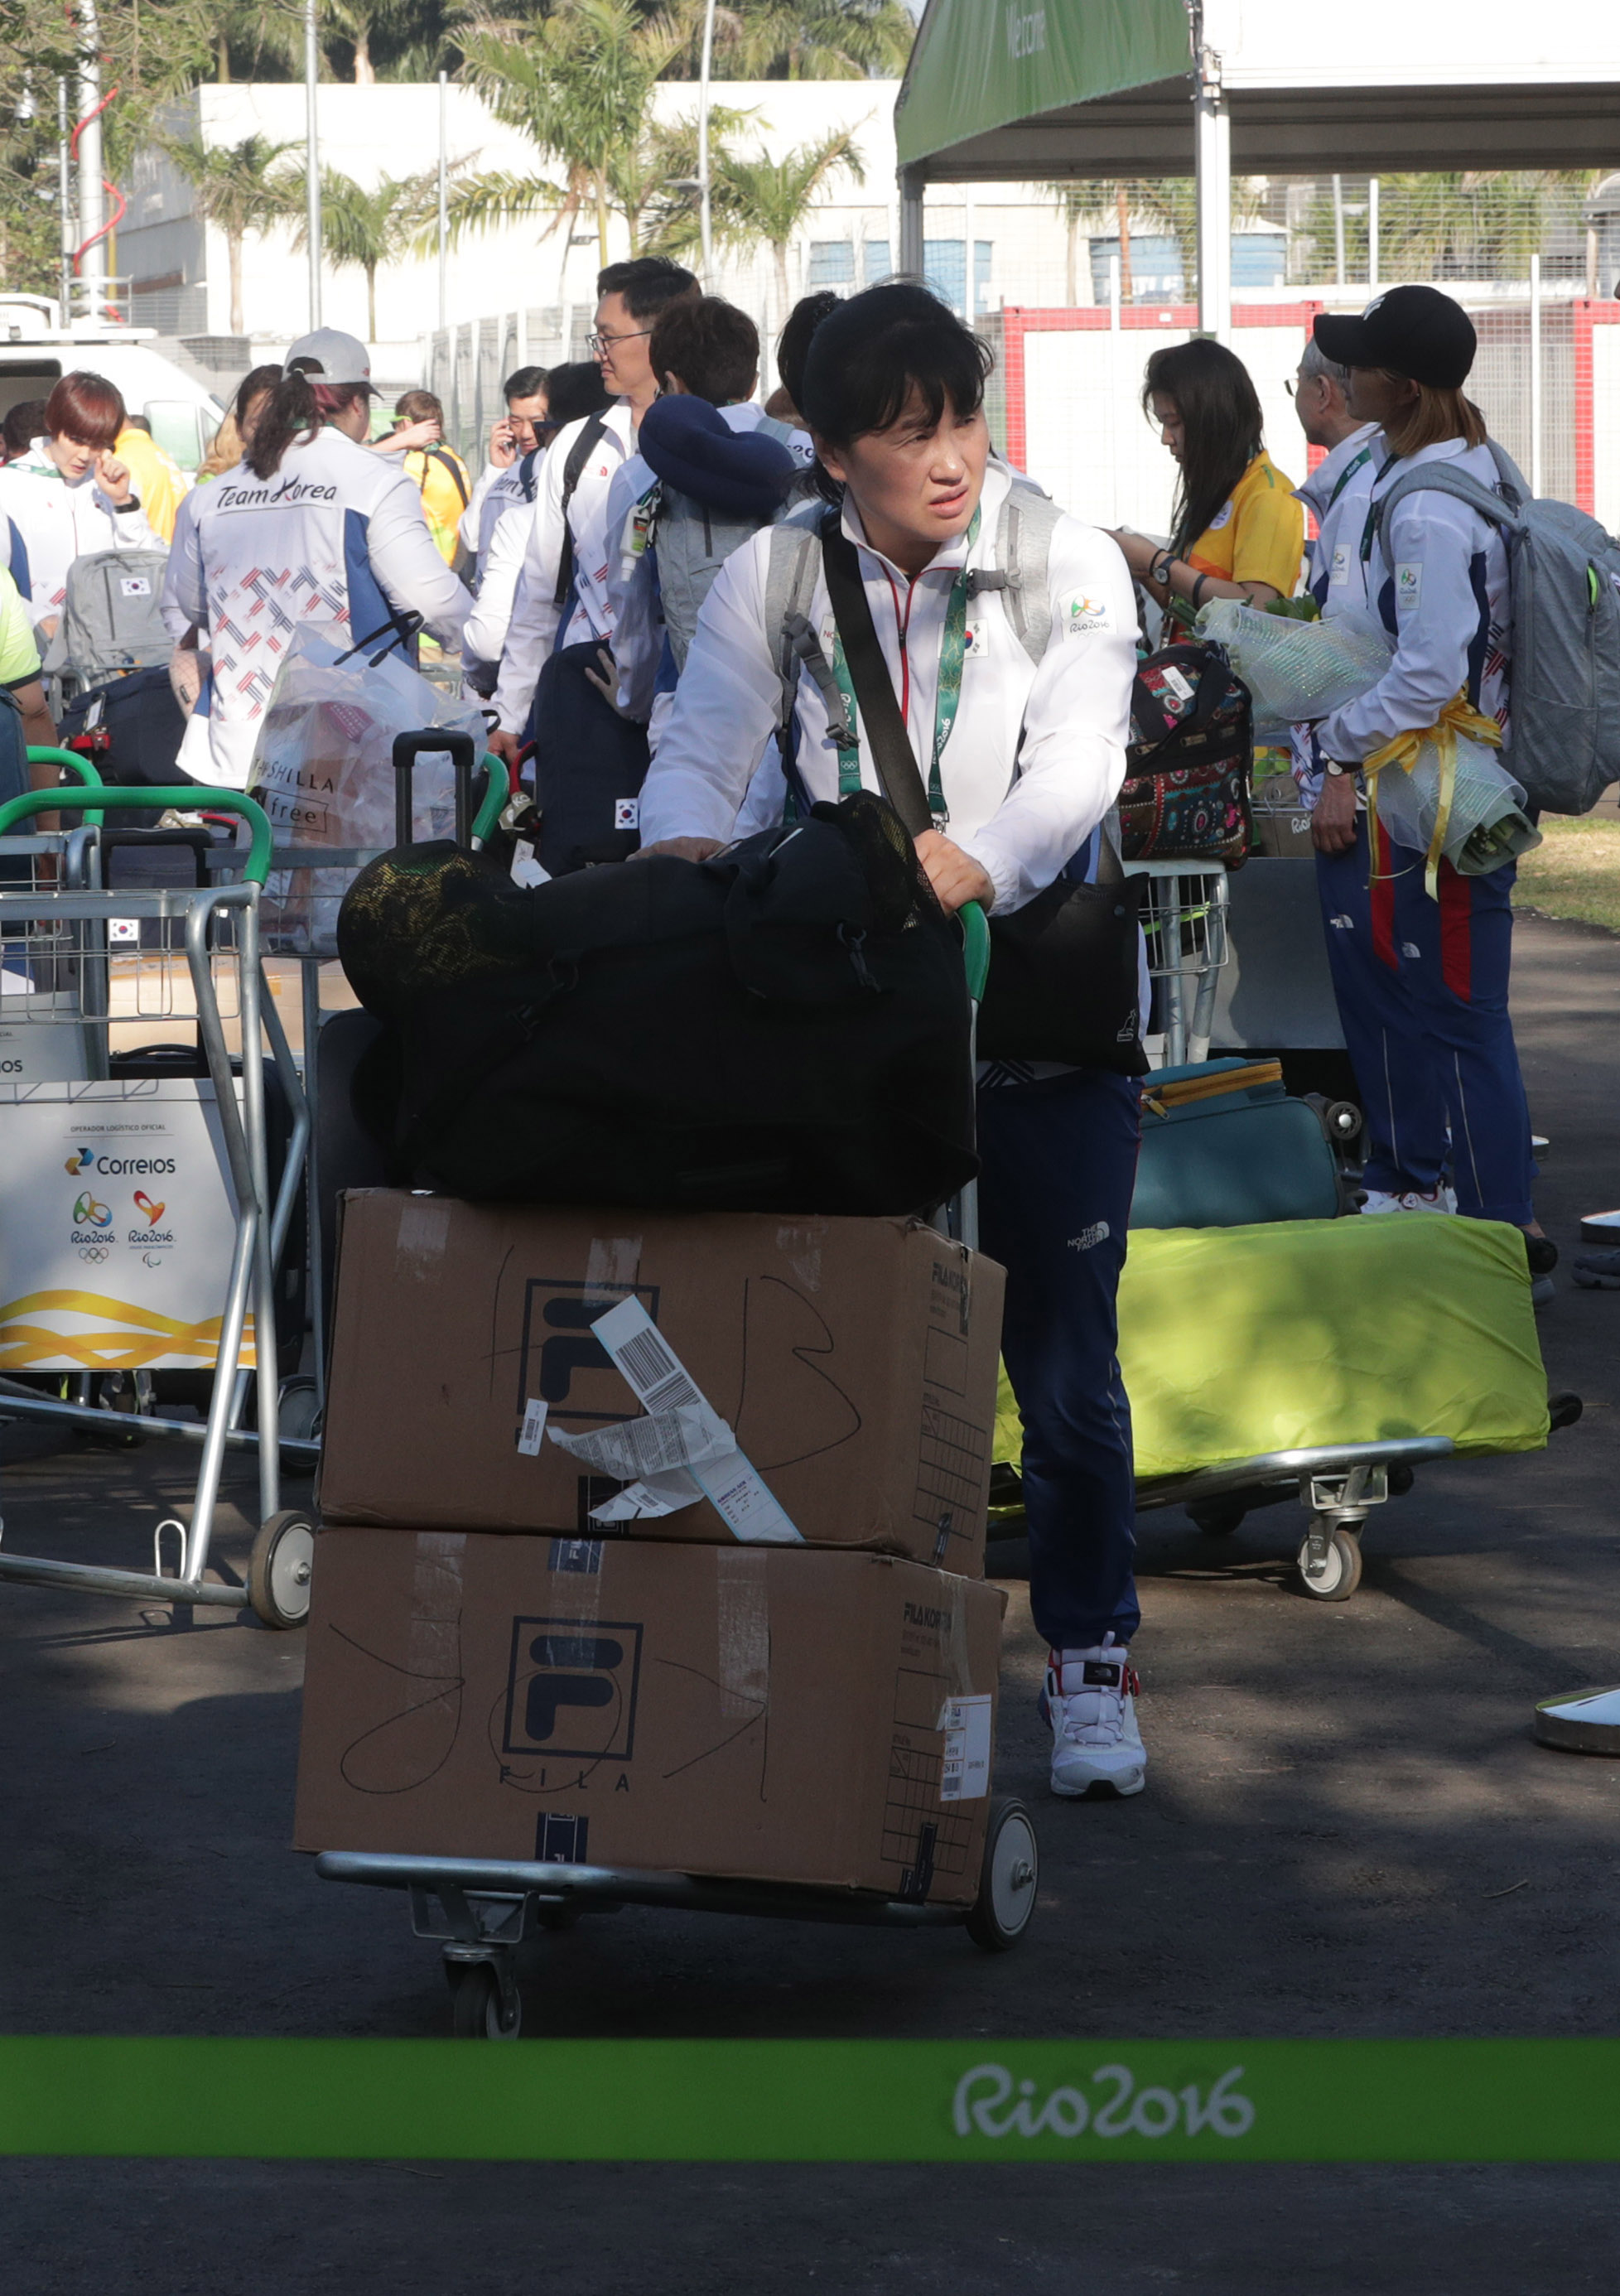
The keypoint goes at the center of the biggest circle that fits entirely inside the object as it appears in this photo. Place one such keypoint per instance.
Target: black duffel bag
(783, 1028)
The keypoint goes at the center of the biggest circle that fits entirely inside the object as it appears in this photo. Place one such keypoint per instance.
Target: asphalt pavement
(1348, 1830)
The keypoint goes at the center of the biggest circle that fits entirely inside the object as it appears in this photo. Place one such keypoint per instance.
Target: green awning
(978, 64)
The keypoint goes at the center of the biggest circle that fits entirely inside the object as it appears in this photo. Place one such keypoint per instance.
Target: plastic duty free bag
(323, 770)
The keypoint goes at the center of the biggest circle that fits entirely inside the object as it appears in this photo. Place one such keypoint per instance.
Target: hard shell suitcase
(1224, 1146)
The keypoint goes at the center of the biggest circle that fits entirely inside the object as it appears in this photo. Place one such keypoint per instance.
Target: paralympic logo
(988, 2100)
(143, 1204)
(88, 1213)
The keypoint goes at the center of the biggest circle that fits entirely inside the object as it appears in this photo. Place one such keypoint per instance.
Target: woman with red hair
(68, 495)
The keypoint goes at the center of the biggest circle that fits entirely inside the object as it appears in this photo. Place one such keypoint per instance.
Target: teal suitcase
(1224, 1146)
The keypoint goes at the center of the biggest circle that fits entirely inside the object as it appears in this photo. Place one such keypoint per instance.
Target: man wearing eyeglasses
(562, 607)
(503, 481)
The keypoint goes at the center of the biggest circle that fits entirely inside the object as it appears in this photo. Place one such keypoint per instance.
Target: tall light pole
(706, 221)
(444, 204)
(92, 204)
(64, 194)
(312, 157)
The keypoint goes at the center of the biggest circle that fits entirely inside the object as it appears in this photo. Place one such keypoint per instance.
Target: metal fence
(1073, 285)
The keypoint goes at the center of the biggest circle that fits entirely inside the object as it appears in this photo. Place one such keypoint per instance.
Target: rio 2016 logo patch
(1083, 613)
(1409, 588)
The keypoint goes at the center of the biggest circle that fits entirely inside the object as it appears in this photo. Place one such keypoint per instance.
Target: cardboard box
(856, 1360)
(770, 1712)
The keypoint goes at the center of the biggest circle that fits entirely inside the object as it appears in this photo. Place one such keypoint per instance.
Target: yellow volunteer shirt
(1258, 535)
(18, 654)
(159, 481)
(446, 491)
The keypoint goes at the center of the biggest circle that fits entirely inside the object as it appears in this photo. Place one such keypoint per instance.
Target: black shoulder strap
(891, 744)
(579, 454)
(438, 454)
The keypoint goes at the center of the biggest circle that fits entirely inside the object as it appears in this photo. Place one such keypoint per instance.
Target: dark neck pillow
(690, 445)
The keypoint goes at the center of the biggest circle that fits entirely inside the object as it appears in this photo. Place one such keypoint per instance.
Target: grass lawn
(1575, 873)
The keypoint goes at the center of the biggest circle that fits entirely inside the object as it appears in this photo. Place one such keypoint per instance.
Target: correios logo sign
(1025, 31)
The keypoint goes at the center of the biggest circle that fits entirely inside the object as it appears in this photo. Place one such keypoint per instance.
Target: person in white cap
(308, 528)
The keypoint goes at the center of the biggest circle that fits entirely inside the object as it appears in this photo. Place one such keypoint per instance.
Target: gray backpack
(110, 621)
(1564, 681)
(693, 543)
(1024, 529)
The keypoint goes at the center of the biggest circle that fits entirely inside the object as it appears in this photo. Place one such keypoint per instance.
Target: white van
(35, 350)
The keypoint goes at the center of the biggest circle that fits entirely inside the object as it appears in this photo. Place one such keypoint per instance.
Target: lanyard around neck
(948, 699)
(1347, 473)
(1373, 507)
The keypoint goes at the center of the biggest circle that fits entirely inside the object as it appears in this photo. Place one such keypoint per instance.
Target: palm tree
(768, 200)
(580, 82)
(235, 187)
(367, 229)
(358, 20)
(814, 39)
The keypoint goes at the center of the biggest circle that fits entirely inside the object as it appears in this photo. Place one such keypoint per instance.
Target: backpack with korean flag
(1563, 742)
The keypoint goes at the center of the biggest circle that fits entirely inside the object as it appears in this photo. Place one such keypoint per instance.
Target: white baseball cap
(332, 357)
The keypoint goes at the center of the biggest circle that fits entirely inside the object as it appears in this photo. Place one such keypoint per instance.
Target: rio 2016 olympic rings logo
(94, 1252)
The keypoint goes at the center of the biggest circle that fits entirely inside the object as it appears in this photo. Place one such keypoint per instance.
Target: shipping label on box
(854, 1363)
(115, 1250)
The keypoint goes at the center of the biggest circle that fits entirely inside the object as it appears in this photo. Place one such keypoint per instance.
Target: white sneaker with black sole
(1415, 1200)
(1091, 1704)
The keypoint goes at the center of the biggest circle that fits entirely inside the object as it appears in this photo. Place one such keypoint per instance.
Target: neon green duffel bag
(1239, 1340)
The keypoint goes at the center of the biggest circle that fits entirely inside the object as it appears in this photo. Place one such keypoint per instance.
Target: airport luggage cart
(304, 1398)
(1183, 920)
(1339, 1485)
(481, 1911)
(130, 956)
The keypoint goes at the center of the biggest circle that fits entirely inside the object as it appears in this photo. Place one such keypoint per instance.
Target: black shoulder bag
(1063, 969)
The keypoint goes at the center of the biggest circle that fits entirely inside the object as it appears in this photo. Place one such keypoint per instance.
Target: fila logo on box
(561, 1362)
(571, 1689)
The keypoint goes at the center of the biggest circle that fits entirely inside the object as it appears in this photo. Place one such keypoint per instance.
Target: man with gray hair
(1337, 495)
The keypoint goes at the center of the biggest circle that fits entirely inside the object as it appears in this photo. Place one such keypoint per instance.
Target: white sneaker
(1415, 1200)
(1090, 1703)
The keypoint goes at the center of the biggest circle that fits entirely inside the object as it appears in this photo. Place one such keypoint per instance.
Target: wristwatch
(1335, 771)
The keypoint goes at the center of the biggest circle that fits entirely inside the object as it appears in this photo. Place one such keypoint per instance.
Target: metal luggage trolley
(479, 1910)
(304, 1397)
(92, 959)
(1183, 920)
(1339, 1484)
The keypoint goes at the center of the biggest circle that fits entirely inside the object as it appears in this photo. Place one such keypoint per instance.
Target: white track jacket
(1438, 581)
(532, 630)
(336, 538)
(1037, 752)
(51, 524)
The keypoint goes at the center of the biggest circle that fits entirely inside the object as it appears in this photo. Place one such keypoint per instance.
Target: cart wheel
(1008, 1879)
(1336, 1577)
(1218, 1518)
(279, 1567)
(298, 1414)
(476, 2013)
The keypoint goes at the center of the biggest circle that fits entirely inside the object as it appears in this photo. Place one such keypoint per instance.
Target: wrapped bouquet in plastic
(1296, 670)
(1445, 794)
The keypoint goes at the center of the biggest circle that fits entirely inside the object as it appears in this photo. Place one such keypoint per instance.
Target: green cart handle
(975, 947)
(497, 788)
(151, 800)
(82, 767)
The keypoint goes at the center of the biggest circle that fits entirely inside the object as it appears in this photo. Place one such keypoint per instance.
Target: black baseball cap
(1411, 331)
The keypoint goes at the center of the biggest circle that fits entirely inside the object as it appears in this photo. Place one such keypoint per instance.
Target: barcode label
(654, 1373)
(660, 1380)
(533, 1428)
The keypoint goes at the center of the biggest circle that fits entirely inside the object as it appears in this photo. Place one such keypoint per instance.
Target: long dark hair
(1222, 429)
(295, 409)
(866, 354)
